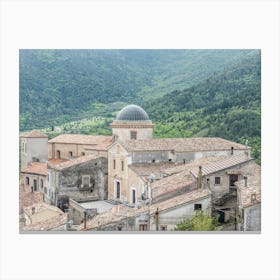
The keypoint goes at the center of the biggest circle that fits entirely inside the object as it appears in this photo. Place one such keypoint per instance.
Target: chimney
(231, 150)
(245, 181)
(157, 220)
(199, 179)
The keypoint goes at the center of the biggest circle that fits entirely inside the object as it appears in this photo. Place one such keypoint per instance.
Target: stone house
(123, 155)
(34, 148)
(82, 178)
(161, 216)
(42, 216)
(67, 146)
(249, 200)
(33, 177)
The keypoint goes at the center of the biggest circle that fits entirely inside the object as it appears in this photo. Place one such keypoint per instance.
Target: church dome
(132, 113)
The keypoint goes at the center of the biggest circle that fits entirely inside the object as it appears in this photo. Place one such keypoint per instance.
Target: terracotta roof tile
(34, 134)
(98, 141)
(182, 144)
(36, 168)
(171, 183)
(120, 212)
(46, 217)
(29, 198)
(222, 164)
(73, 162)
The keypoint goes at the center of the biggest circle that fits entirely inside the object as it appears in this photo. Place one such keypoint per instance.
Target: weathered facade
(84, 178)
(34, 148)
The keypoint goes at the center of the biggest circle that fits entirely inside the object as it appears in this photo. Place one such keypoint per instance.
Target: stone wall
(35, 148)
(76, 150)
(252, 218)
(67, 183)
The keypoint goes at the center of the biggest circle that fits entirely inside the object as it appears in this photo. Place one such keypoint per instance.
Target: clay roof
(182, 144)
(251, 194)
(36, 168)
(171, 183)
(29, 198)
(46, 217)
(34, 134)
(120, 212)
(99, 142)
(190, 165)
(145, 169)
(222, 164)
(73, 162)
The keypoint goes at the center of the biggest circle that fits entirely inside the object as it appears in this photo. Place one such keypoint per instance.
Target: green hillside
(58, 86)
(227, 105)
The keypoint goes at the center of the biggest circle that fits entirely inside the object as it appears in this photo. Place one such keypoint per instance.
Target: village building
(130, 181)
(33, 148)
(83, 178)
(33, 177)
(249, 200)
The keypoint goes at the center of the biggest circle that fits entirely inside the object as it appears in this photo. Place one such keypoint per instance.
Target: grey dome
(132, 113)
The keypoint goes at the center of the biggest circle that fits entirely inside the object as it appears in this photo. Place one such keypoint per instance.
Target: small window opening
(197, 207)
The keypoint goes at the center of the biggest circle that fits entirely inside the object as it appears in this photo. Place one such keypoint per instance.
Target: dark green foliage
(58, 86)
(225, 105)
(199, 222)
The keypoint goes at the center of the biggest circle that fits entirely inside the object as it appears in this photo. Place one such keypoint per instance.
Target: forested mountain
(57, 86)
(227, 105)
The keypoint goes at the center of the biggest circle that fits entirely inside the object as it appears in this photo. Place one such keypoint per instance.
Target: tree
(199, 222)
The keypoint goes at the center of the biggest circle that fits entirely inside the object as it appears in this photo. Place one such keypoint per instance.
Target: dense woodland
(186, 93)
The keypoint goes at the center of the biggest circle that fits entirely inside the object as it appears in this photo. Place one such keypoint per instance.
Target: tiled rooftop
(46, 217)
(36, 168)
(182, 144)
(100, 142)
(73, 162)
(120, 212)
(227, 162)
(171, 183)
(27, 199)
(193, 164)
(253, 189)
(34, 134)
(145, 169)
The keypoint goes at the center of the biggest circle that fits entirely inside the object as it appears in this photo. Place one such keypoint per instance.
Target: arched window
(57, 154)
(42, 183)
(27, 180)
(70, 154)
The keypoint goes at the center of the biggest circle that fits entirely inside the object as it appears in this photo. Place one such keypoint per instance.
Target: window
(35, 185)
(170, 160)
(217, 180)
(122, 165)
(82, 153)
(70, 154)
(133, 196)
(57, 154)
(85, 181)
(153, 160)
(184, 161)
(197, 207)
(27, 180)
(163, 228)
(118, 190)
(133, 135)
(114, 163)
(33, 210)
(42, 183)
(143, 227)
